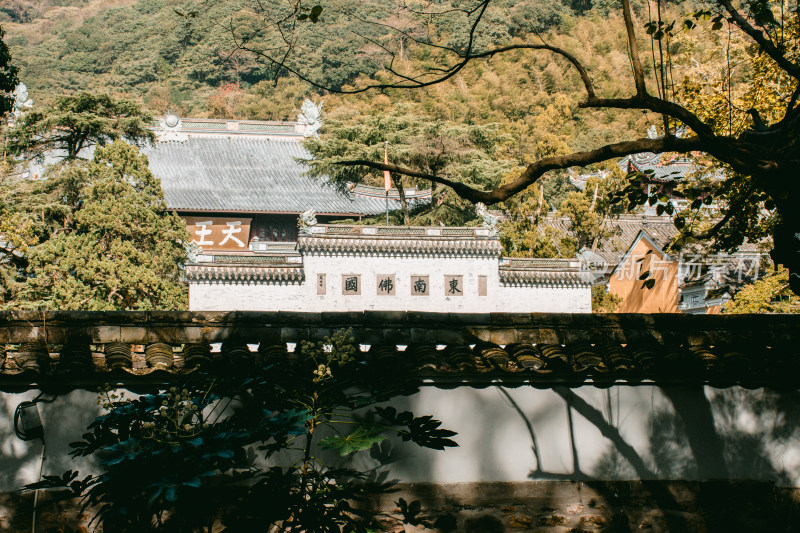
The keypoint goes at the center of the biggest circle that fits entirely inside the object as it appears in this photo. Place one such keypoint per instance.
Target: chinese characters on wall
(386, 285)
(351, 284)
(321, 284)
(213, 233)
(454, 285)
(420, 285)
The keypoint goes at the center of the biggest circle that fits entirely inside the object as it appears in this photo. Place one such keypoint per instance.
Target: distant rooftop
(659, 167)
(337, 238)
(627, 227)
(246, 166)
(172, 126)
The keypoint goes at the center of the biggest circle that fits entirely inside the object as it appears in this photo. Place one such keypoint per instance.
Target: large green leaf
(359, 439)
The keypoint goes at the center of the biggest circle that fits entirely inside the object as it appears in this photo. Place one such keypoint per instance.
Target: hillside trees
(769, 294)
(761, 159)
(102, 238)
(591, 211)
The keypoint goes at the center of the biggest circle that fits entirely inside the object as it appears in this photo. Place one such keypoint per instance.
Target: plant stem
(307, 451)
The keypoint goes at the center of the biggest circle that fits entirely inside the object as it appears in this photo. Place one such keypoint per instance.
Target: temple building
(244, 180)
(356, 268)
(243, 192)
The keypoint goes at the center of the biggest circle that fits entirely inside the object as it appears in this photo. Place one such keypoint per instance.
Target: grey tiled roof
(545, 277)
(246, 174)
(659, 168)
(540, 271)
(626, 228)
(408, 245)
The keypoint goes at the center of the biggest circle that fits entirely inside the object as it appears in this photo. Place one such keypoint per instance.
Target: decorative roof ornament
(652, 132)
(311, 117)
(489, 221)
(307, 220)
(21, 100)
(171, 128)
(172, 120)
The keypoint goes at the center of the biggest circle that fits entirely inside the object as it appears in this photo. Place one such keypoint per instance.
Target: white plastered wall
(520, 434)
(303, 296)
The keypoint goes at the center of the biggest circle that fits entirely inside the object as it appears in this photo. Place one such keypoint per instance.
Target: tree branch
(584, 74)
(792, 102)
(657, 105)
(758, 36)
(535, 170)
(638, 72)
(732, 210)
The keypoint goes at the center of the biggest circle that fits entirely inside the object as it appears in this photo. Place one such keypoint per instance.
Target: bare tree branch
(584, 74)
(758, 36)
(638, 72)
(535, 170)
(657, 105)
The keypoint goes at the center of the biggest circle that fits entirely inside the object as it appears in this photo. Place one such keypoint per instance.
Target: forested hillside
(182, 55)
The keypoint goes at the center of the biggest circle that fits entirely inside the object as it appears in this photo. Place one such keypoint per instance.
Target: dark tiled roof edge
(68, 349)
(244, 273)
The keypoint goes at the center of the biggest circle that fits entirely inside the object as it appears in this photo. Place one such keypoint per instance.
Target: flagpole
(386, 177)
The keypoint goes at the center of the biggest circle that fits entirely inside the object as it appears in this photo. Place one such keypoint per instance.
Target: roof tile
(247, 174)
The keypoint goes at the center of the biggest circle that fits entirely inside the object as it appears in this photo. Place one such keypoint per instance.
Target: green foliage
(556, 189)
(522, 234)
(603, 301)
(118, 248)
(738, 94)
(241, 450)
(309, 13)
(521, 238)
(470, 153)
(8, 77)
(591, 210)
(78, 122)
(166, 452)
(361, 438)
(769, 294)
(465, 152)
(30, 212)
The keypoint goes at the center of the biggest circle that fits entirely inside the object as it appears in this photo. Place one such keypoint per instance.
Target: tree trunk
(786, 243)
(398, 183)
(541, 201)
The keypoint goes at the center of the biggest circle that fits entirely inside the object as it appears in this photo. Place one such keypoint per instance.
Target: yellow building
(645, 259)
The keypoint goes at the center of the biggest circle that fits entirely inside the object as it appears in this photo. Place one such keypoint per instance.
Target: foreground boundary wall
(658, 422)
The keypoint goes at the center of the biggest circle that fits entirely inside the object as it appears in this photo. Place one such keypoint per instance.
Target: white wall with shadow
(520, 434)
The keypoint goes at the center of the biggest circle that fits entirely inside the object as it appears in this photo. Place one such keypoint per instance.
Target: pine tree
(76, 122)
(8, 77)
(124, 251)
